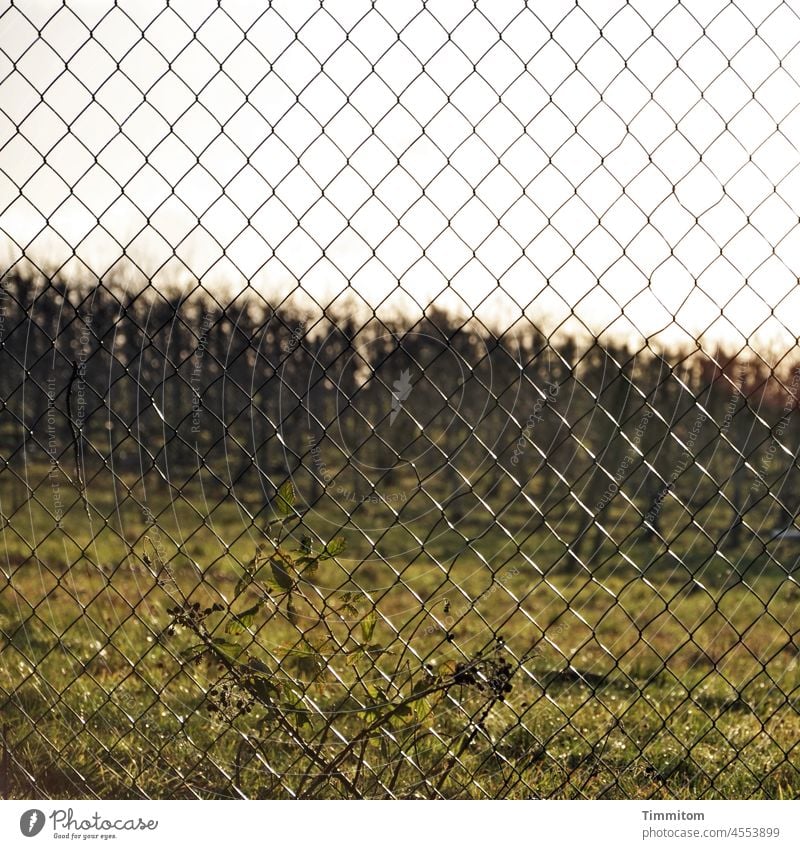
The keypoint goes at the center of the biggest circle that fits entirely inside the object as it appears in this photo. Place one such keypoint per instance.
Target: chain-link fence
(399, 399)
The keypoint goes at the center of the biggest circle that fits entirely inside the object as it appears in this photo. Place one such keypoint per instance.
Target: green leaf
(280, 572)
(285, 499)
(243, 583)
(336, 546)
(421, 685)
(307, 665)
(225, 642)
(377, 695)
(308, 563)
(193, 652)
(368, 624)
(291, 611)
(354, 656)
(240, 622)
(298, 716)
(251, 570)
(263, 689)
(261, 681)
(424, 712)
(405, 711)
(348, 604)
(232, 650)
(259, 667)
(370, 651)
(270, 586)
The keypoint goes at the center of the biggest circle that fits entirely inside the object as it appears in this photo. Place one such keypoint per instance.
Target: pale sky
(500, 157)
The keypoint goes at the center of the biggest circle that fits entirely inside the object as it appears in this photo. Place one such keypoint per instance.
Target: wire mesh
(399, 400)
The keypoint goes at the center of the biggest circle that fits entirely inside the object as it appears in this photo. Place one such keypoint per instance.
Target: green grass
(651, 677)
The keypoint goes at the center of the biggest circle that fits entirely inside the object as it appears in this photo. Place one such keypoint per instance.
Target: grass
(652, 674)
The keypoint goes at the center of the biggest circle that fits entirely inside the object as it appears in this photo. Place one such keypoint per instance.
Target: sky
(610, 167)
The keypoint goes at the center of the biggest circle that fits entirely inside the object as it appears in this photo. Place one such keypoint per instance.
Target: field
(648, 675)
(250, 552)
(399, 401)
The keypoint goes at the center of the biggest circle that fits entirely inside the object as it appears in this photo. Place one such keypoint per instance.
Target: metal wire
(399, 400)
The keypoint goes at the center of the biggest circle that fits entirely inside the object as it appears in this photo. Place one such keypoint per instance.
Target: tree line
(107, 385)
